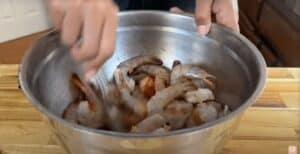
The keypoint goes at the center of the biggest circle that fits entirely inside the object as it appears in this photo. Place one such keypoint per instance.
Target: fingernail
(202, 29)
(90, 74)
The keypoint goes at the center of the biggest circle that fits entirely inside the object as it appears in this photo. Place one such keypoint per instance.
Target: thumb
(203, 15)
(176, 10)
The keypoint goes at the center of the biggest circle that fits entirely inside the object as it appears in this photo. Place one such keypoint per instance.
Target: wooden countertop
(269, 126)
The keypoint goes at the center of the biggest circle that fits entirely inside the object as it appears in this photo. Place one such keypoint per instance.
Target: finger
(93, 19)
(203, 15)
(176, 10)
(72, 23)
(226, 14)
(56, 12)
(107, 44)
(236, 9)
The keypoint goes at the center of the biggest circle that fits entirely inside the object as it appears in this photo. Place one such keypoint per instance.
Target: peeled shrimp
(113, 95)
(177, 113)
(90, 115)
(147, 86)
(149, 124)
(200, 95)
(203, 113)
(137, 105)
(190, 71)
(70, 113)
(161, 99)
(134, 62)
(222, 109)
(160, 73)
(121, 120)
(138, 76)
(163, 129)
(128, 66)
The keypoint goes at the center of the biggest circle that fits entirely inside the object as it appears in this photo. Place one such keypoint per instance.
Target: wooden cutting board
(269, 126)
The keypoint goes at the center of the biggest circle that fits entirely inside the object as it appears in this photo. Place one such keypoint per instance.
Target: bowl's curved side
(219, 130)
(208, 141)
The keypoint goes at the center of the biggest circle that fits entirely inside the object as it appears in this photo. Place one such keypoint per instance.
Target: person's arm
(226, 12)
(95, 20)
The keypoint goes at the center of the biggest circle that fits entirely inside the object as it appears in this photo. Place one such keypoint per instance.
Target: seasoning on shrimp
(177, 113)
(200, 95)
(160, 100)
(128, 66)
(149, 124)
(160, 73)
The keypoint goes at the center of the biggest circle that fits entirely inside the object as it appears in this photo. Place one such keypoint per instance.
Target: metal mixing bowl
(237, 64)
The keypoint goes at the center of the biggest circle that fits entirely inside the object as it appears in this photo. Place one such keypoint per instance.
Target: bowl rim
(249, 101)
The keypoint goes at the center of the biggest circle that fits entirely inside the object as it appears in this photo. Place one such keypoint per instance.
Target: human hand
(225, 11)
(95, 21)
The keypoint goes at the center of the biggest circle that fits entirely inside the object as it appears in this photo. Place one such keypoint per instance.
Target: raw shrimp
(160, 100)
(218, 106)
(137, 105)
(147, 86)
(149, 124)
(200, 95)
(161, 130)
(192, 72)
(222, 109)
(113, 95)
(137, 61)
(70, 113)
(224, 112)
(203, 113)
(138, 76)
(121, 120)
(177, 113)
(200, 83)
(89, 113)
(114, 121)
(175, 63)
(89, 116)
(128, 66)
(161, 74)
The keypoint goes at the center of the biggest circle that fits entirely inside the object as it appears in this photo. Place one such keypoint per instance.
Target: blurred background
(272, 25)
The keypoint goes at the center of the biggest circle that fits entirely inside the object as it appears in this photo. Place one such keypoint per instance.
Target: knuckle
(67, 38)
(107, 52)
(75, 5)
(88, 52)
(101, 5)
(114, 8)
(202, 16)
(91, 5)
(54, 3)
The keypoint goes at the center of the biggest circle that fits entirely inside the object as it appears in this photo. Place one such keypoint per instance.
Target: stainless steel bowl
(238, 65)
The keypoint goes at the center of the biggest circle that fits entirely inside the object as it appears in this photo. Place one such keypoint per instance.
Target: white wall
(22, 17)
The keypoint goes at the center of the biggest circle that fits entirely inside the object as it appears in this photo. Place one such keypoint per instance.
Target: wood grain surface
(13, 51)
(271, 125)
